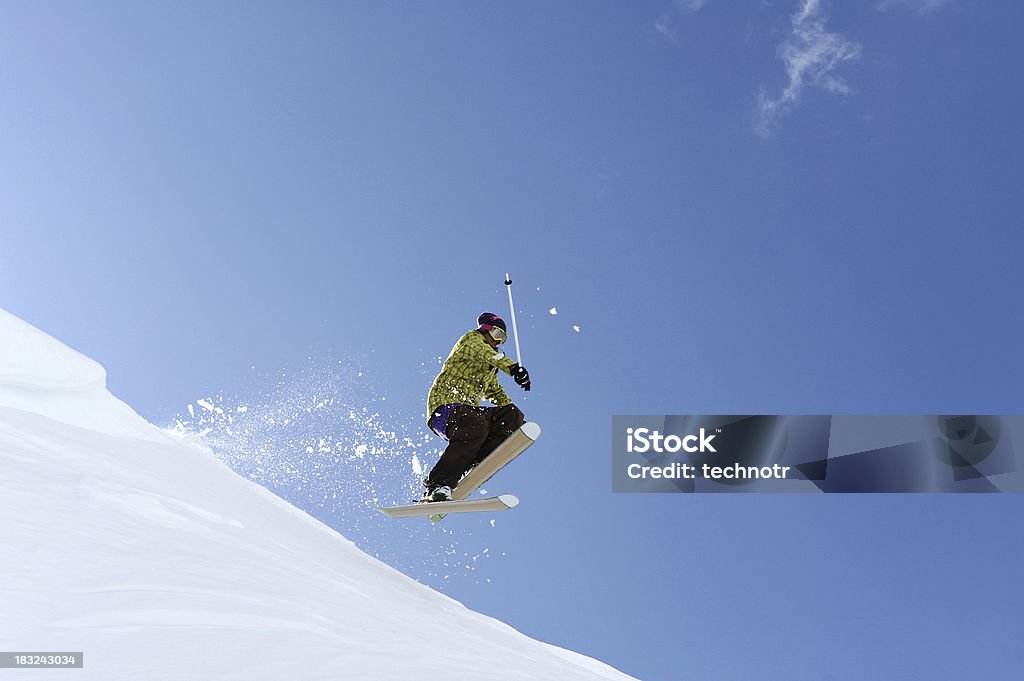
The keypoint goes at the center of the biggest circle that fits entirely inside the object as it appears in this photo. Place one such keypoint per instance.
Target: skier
(469, 375)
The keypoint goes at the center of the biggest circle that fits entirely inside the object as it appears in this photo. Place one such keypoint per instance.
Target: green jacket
(469, 375)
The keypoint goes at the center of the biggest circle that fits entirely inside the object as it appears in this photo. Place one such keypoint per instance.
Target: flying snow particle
(553, 311)
(205, 404)
(576, 328)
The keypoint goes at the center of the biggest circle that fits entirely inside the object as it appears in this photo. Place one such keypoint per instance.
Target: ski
(517, 443)
(433, 509)
(513, 446)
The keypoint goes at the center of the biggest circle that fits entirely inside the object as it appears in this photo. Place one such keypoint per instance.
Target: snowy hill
(158, 562)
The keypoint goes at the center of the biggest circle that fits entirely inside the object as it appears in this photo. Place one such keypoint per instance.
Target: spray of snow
(321, 439)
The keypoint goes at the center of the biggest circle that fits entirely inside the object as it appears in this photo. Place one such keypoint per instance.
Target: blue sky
(746, 207)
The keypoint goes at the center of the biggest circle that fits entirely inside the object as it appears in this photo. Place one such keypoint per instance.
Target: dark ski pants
(473, 433)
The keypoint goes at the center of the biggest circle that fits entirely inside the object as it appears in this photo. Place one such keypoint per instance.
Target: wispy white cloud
(665, 26)
(812, 56)
(690, 6)
(915, 6)
(667, 23)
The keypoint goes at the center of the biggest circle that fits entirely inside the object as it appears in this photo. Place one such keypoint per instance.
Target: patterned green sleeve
(483, 352)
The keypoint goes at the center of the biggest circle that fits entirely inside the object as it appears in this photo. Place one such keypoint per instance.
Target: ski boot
(438, 493)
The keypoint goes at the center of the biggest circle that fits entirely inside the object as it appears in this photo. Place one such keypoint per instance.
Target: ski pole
(515, 330)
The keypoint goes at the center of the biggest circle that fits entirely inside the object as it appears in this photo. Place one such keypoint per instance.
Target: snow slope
(158, 562)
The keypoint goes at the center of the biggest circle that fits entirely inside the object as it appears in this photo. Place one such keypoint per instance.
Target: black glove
(521, 376)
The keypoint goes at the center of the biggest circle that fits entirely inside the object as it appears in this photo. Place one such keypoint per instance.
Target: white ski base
(516, 444)
(512, 447)
(502, 502)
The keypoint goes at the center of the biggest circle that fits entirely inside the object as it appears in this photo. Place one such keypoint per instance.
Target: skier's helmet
(493, 325)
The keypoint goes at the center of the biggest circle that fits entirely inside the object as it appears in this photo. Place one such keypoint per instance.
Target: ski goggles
(496, 332)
